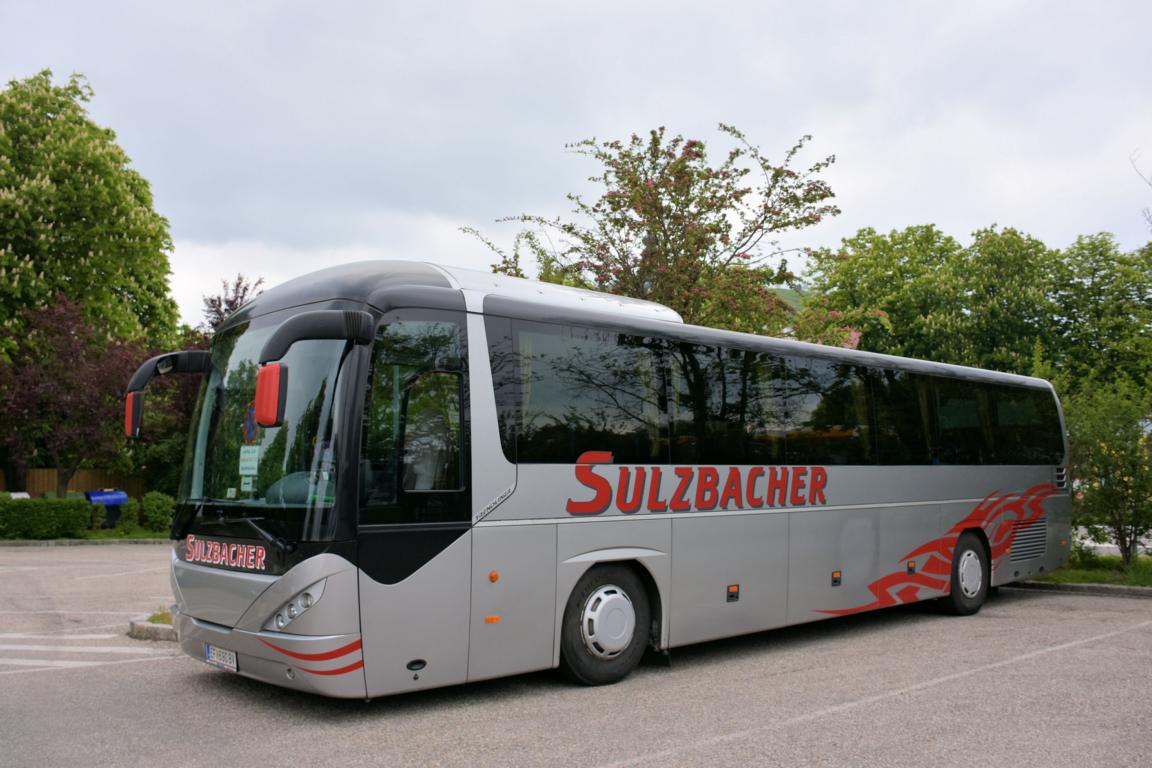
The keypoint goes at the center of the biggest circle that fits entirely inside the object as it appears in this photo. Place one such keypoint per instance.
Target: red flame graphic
(999, 515)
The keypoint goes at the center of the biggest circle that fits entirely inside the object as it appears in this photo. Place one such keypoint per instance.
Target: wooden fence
(41, 481)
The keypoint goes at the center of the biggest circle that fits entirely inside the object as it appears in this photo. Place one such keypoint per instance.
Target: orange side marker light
(495, 619)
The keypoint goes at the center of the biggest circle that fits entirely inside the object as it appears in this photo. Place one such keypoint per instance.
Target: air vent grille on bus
(1061, 477)
(1031, 540)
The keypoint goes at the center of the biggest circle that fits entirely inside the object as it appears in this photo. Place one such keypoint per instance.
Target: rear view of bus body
(451, 476)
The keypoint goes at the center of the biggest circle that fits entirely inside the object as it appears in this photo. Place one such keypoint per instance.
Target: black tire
(966, 595)
(603, 654)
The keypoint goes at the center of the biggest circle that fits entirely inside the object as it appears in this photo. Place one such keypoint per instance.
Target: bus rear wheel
(605, 626)
(971, 577)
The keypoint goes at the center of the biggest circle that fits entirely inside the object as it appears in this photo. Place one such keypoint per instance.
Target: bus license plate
(220, 657)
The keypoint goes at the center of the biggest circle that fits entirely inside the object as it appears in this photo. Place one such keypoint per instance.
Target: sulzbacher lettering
(629, 489)
(247, 556)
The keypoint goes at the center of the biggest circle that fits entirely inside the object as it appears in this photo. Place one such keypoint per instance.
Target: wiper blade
(282, 544)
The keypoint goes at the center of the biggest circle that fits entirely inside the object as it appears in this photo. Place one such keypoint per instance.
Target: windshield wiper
(284, 545)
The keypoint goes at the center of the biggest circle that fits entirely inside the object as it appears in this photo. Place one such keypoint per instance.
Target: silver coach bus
(403, 476)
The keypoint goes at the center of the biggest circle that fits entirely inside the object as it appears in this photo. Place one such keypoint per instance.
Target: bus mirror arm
(272, 379)
(354, 325)
(188, 361)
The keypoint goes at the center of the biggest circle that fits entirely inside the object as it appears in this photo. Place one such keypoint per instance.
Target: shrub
(129, 519)
(156, 511)
(43, 518)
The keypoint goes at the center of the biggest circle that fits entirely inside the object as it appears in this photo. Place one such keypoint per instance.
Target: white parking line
(48, 663)
(65, 630)
(77, 613)
(25, 636)
(664, 755)
(83, 649)
(121, 573)
(89, 665)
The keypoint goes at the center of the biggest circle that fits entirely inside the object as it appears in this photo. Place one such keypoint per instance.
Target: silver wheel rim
(971, 573)
(607, 622)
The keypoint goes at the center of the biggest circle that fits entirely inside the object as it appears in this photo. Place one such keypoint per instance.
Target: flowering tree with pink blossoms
(671, 227)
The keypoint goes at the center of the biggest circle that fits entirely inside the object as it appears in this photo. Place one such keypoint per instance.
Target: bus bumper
(331, 665)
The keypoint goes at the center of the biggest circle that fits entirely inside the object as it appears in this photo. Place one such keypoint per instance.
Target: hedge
(156, 510)
(44, 518)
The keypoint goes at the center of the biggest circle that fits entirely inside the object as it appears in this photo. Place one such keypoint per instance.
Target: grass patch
(1103, 569)
(160, 617)
(113, 533)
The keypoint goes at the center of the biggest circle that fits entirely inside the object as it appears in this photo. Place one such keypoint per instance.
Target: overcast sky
(283, 137)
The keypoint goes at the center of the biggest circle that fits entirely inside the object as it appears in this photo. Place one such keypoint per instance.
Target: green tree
(1112, 462)
(899, 293)
(1007, 277)
(670, 227)
(919, 293)
(1103, 313)
(75, 219)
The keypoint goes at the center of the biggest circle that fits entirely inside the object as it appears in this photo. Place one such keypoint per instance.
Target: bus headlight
(294, 608)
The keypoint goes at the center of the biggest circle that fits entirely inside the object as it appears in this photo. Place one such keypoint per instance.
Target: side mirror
(190, 361)
(271, 391)
(133, 408)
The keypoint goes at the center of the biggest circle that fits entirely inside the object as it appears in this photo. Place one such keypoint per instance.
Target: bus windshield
(247, 481)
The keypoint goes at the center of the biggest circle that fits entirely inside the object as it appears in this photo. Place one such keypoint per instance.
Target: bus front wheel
(971, 576)
(605, 626)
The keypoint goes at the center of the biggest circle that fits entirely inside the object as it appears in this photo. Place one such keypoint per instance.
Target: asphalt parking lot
(1035, 679)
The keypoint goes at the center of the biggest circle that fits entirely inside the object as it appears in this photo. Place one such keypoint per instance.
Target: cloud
(304, 128)
(198, 267)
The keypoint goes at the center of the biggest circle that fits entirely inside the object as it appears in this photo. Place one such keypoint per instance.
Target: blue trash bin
(112, 500)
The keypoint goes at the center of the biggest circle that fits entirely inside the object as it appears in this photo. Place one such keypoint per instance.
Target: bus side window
(902, 423)
(827, 413)
(725, 407)
(413, 454)
(432, 433)
(963, 432)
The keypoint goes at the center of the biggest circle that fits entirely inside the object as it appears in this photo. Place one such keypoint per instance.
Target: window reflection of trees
(408, 372)
(563, 390)
(301, 445)
(726, 409)
(583, 389)
(828, 420)
(432, 433)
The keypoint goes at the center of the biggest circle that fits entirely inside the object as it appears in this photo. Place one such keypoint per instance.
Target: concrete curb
(80, 542)
(142, 629)
(1109, 590)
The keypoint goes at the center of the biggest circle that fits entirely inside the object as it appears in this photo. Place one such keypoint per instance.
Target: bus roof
(358, 281)
(530, 299)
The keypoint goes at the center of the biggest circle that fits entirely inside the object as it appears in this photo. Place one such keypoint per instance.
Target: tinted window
(964, 434)
(414, 447)
(1027, 426)
(505, 380)
(570, 389)
(726, 408)
(902, 406)
(826, 413)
